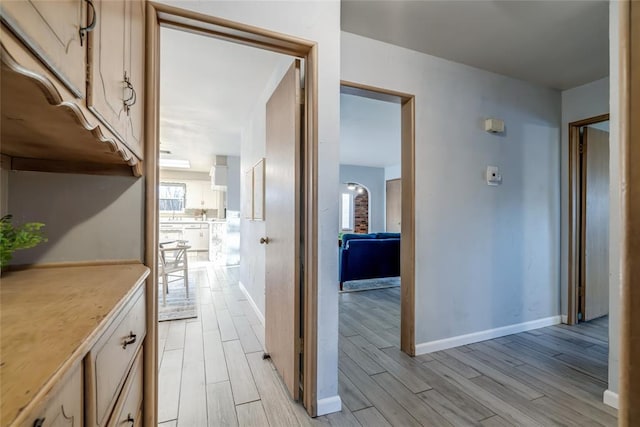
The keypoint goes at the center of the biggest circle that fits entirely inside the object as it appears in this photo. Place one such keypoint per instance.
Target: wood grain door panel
(394, 205)
(596, 245)
(282, 216)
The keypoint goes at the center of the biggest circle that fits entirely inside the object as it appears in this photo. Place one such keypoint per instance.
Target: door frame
(629, 126)
(407, 241)
(160, 15)
(576, 218)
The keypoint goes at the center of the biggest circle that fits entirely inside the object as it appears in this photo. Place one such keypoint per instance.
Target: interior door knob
(264, 240)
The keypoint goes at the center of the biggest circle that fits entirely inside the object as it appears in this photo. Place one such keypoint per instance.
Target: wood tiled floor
(212, 372)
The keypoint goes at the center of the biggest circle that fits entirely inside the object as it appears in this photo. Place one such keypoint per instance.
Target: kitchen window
(172, 197)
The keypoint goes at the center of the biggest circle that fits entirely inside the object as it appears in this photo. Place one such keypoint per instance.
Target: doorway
(305, 229)
(589, 219)
(406, 171)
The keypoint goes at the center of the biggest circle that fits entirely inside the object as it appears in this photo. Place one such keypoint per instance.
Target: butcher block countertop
(49, 319)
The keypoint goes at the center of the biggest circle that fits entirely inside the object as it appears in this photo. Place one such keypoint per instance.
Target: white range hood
(218, 173)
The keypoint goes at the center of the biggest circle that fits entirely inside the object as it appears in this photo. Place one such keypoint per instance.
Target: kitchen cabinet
(72, 85)
(116, 69)
(201, 196)
(51, 31)
(197, 235)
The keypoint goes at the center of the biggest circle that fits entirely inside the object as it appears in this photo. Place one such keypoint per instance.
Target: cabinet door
(194, 193)
(135, 72)
(112, 87)
(51, 30)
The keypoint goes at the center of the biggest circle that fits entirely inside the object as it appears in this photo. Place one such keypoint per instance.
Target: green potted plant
(13, 237)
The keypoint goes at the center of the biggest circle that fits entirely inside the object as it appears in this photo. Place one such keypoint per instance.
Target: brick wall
(361, 211)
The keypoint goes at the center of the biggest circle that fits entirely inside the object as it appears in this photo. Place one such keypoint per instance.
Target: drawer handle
(39, 422)
(92, 25)
(128, 103)
(130, 419)
(129, 340)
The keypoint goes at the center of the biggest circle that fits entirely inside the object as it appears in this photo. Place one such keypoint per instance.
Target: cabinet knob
(264, 240)
(39, 422)
(130, 419)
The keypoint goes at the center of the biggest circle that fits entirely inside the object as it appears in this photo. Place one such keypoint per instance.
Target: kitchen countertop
(191, 221)
(50, 318)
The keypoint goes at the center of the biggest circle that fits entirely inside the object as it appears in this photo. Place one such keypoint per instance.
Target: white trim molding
(252, 303)
(610, 398)
(488, 334)
(329, 405)
(565, 319)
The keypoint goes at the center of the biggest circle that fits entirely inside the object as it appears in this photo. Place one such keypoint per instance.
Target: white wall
(252, 149)
(87, 217)
(373, 180)
(392, 172)
(318, 21)
(486, 257)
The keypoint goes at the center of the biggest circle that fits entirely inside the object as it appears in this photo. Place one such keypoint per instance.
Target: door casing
(407, 241)
(160, 15)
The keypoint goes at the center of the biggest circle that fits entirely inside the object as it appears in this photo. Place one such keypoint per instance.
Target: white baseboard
(488, 334)
(565, 319)
(610, 398)
(251, 302)
(329, 405)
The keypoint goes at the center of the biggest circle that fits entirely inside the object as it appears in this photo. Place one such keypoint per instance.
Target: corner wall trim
(329, 405)
(488, 334)
(565, 319)
(610, 398)
(251, 302)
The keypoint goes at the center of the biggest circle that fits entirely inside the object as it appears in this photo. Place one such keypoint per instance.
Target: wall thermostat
(493, 175)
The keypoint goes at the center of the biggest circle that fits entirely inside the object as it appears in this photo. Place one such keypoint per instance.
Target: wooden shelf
(49, 318)
(43, 131)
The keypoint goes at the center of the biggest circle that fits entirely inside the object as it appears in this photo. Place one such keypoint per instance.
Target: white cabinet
(197, 235)
(201, 196)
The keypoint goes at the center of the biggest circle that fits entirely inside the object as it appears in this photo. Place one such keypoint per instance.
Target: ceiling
(370, 131)
(208, 89)
(559, 44)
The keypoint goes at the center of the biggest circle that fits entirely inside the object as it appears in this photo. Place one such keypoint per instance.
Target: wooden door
(282, 216)
(596, 223)
(394, 205)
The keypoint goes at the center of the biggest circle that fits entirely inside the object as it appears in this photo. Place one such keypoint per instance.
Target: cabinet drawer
(128, 408)
(109, 360)
(63, 408)
(51, 31)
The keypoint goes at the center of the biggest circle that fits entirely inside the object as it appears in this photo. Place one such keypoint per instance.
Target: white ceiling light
(175, 163)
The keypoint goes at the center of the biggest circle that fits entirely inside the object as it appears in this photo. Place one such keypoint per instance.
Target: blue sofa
(369, 256)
